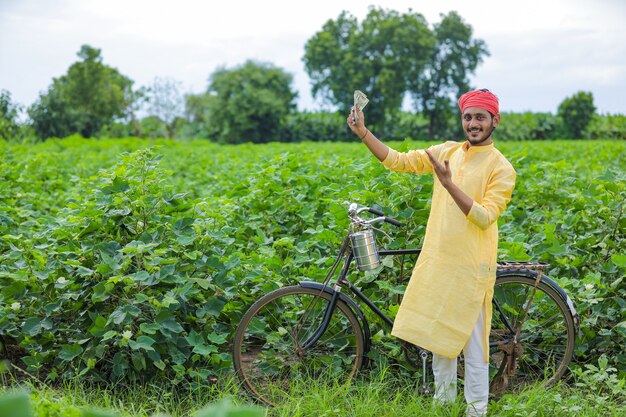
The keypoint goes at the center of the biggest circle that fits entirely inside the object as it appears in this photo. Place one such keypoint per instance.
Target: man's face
(478, 125)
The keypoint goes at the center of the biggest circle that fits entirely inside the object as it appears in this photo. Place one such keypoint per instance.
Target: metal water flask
(364, 248)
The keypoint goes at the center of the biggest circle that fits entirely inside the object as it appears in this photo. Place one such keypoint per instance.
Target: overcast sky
(541, 50)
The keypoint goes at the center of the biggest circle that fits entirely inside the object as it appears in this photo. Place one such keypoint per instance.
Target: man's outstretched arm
(379, 149)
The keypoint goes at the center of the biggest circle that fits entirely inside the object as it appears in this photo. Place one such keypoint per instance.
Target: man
(447, 304)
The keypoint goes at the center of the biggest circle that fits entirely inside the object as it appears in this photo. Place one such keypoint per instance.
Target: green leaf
(193, 255)
(257, 326)
(388, 261)
(557, 249)
(138, 360)
(186, 239)
(69, 352)
(144, 278)
(15, 404)
(619, 259)
(194, 338)
(120, 364)
(202, 282)
(226, 409)
(214, 306)
(32, 326)
(177, 356)
(142, 342)
(515, 251)
(217, 339)
(101, 291)
(109, 335)
(83, 272)
(119, 212)
(117, 185)
(151, 328)
(172, 325)
(204, 350)
(119, 315)
(137, 246)
(168, 301)
(32, 362)
(94, 412)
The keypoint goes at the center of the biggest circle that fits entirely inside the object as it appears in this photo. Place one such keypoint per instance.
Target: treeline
(389, 55)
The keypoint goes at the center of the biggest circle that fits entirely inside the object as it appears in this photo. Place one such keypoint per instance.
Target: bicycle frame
(342, 280)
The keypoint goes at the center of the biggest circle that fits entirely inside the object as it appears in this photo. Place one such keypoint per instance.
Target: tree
(166, 102)
(576, 112)
(89, 96)
(9, 127)
(137, 100)
(455, 55)
(198, 114)
(381, 56)
(249, 102)
(153, 127)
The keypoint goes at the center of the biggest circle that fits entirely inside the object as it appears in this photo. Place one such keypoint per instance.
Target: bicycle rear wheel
(547, 334)
(268, 349)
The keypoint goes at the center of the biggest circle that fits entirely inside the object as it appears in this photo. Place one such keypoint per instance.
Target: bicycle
(313, 329)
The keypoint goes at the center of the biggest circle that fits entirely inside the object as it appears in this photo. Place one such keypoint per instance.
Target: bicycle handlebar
(354, 210)
(387, 219)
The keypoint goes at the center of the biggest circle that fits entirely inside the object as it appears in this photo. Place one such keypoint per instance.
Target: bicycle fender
(552, 284)
(353, 306)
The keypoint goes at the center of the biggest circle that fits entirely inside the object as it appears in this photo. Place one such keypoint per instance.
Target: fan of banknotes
(360, 101)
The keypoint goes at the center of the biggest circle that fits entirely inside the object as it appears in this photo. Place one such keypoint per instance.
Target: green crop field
(129, 259)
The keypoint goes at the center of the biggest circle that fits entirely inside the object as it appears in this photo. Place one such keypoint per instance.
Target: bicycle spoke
(545, 342)
(271, 354)
(551, 320)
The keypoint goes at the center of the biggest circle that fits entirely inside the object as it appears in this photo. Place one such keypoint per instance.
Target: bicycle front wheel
(269, 347)
(529, 342)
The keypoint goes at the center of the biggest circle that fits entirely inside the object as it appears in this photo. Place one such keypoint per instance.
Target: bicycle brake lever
(381, 231)
(352, 208)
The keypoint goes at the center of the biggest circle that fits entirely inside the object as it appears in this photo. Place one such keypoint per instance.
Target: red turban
(479, 98)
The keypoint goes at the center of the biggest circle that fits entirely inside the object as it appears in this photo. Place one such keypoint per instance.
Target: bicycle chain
(509, 265)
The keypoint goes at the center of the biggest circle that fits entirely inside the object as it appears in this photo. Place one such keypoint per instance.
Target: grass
(69, 398)
(388, 398)
(380, 395)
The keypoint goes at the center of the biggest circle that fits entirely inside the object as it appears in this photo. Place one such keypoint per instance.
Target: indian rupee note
(360, 101)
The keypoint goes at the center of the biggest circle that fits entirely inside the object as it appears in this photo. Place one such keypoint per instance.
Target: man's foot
(475, 411)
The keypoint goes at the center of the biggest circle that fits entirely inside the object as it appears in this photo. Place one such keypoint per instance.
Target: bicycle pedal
(425, 390)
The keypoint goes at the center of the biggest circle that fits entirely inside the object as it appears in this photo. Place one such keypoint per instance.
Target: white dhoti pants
(476, 373)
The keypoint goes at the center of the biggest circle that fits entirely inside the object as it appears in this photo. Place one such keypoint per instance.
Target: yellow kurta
(456, 270)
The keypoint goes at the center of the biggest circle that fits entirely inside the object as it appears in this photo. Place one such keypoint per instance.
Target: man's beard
(478, 140)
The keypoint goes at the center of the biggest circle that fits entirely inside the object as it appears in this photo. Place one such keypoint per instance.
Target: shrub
(576, 113)
(110, 286)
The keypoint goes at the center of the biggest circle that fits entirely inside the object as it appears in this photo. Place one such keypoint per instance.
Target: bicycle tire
(266, 357)
(546, 340)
